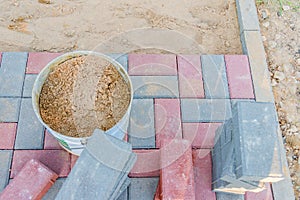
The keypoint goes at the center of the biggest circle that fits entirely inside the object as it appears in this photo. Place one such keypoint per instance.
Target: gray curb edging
(253, 47)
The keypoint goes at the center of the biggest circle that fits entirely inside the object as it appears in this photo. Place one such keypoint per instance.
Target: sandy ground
(62, 25)
(281, 35)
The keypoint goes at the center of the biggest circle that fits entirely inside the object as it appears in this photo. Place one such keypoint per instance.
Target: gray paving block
(9, 109)
(214, 77)
(119, 151)
(141, 130)
(124, 195)
(229, 183)
(52, 192)
(12, 72)
(5, 163)
(107, 172)
(120, 58)
(205, 110)
(228, 131)
(28, 84)
(283, 190)
(255, 133)
(142, 188)
(121, 192)
(224, 177)
(227, 196)
(247, 15)
(253, 47)
(234, 101)
(30, 132)
(155, 86)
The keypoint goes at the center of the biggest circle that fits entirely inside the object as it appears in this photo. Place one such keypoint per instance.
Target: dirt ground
(194, 27)
(64, 25)
(281, 35)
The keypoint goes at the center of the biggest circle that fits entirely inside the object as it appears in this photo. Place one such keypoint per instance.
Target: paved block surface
(32, 182)
(152, 64)
(141, 125)
(190, 76)
(142, 188)
(7, 135)
(239, 77)
(203, 174)
(253, 47)
(28, 84)
(57, 160)
(9, 109)
(30, 132)
(205, 110)
(120, 58)
(147, 163)
(169, 98)
(167, 120)
(5, 162)
(50, 142)
(214, 76)
(52, 192)
(155, 86)
(12, 72)
(38, 60)
(176, 175)
(247, 15)
(264, 195)
(200, 134)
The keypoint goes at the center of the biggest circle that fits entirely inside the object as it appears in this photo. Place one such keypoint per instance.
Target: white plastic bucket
(73, 144)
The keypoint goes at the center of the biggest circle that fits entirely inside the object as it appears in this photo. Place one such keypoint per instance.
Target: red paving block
(177, 175)
(32, 182)
(152, 64)
(203, 174)
(263, 195)
(73, 160)
(239, 77)
(200, 134)
(50, 142)
(7, 135)
(157, 192)
(147, 164)
(167, 120)
(190, 76)
(57, 160)
(126, 137)
(38, 60)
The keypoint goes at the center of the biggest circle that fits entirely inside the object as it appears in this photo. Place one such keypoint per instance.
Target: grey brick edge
(247, 15)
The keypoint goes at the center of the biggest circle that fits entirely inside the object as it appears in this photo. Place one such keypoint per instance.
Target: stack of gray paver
(101, 170)
(246, 152)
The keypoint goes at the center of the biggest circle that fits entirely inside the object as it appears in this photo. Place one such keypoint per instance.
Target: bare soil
(64, 25)
(82, 94)
(281, 36)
